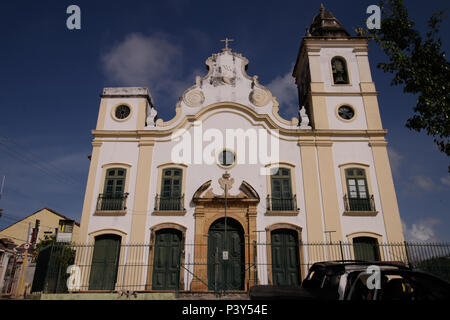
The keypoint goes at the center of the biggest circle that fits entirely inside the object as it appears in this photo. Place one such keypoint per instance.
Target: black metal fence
(202, 267)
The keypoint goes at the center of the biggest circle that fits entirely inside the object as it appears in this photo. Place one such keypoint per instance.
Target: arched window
(113, 197)
(281, 198)
(171, 187)
(340, 72)
(358, 198)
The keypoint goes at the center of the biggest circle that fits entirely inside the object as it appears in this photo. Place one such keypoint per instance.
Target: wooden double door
(226, 272)
(166, 261)
(285, 257)
(105, 262)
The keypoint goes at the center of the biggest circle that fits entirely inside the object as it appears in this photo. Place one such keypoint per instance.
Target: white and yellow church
(198, 191)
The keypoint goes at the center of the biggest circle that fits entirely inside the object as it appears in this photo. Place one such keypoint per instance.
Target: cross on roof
(226, 42)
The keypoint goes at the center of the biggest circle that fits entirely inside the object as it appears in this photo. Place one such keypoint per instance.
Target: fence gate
(42, 264)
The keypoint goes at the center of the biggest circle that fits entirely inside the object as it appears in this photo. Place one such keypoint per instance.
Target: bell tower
(333, 77)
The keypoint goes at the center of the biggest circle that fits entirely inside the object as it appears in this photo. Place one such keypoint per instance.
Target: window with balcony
(281, 198)
(357, 197)
(114, 196)
(171, 197)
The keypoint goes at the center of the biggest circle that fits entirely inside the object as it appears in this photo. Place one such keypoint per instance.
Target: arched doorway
(105, 262)
(166, 261)
(226, 274)
(285, 257)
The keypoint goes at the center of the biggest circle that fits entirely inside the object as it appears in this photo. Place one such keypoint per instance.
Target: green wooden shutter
(281, 190)
(114, 189)
(171, 189)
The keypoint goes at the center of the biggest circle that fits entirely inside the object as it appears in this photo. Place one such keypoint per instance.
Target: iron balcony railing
(112, 201)
(282, 204)
(169, 203)
(359, 204)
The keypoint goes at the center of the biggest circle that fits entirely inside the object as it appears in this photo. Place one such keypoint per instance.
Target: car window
(413, 286)
(360, 291)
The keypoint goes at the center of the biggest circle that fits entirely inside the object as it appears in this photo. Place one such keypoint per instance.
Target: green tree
(418, 63)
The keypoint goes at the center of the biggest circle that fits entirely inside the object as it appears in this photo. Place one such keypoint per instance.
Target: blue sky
(51, 78)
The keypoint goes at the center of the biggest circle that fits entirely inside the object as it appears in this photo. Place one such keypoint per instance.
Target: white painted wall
(115, 152)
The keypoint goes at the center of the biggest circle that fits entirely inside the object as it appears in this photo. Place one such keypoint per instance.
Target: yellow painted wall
(49, 222)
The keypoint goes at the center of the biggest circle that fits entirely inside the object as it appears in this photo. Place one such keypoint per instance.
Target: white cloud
(140, 60)
(395, 159)
(446, 180)
(424, 182)
(285, 90)
(421, 231)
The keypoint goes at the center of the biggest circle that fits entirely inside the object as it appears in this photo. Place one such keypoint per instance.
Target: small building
(49, 222)
(13, 243)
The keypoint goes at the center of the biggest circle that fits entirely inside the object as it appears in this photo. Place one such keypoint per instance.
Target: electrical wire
(36, 162)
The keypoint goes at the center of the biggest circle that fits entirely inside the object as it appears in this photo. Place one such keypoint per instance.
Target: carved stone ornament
(194, 98)
(304, 124)
(151, 116)
(259, 97)
(226, 181)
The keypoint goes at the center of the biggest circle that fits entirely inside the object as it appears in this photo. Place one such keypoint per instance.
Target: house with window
(228, 192)
(46, 221)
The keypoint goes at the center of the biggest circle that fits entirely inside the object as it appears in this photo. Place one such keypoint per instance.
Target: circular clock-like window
(122, 112)
(226, 158)
(346, 112)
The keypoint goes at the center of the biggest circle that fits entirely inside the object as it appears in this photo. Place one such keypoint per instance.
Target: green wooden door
(105, 262)
(226, 274)
(285, 258)
(366, 248)
(166, 262)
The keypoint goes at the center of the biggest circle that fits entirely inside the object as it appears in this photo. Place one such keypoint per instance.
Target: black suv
(359, 280)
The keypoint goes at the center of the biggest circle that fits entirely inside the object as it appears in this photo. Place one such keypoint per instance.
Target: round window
(122, 112)
(346, 112)
(226, 158)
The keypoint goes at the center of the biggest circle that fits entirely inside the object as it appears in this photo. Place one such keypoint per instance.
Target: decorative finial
(226, 43)
(304, 124)
(307, 33)
(322, 7)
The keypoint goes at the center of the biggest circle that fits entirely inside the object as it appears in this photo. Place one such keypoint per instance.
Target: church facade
(228, 172)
